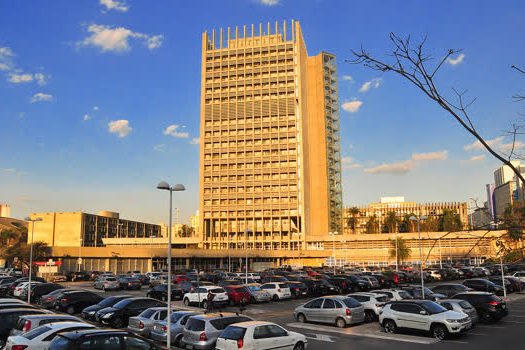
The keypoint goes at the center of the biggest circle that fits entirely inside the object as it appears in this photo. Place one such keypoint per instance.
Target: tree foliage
(391, 222)
(403, 251)
(372, 226)
(352, 220)
(14, 245)
(185, 231)
(450, 221)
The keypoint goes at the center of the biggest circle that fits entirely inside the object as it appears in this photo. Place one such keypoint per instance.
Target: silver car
(460, 306)
(178, 321)
(30, 322)
(143, 323)
(338, 310)
(106, 283)
(201, 332)
(257, 294)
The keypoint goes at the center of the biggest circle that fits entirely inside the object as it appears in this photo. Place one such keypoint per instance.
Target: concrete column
(187, 263)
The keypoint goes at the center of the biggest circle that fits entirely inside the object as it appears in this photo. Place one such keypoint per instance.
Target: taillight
(297, 289)
(27, 326)
(240, 343)
(63, 299)
(344, 284)
(18, 347)
(164, 328)
(49, 298)
(141, 325)
(203, 337)
(348, 312)
(494, 303)
(278, 290)
(105, 282)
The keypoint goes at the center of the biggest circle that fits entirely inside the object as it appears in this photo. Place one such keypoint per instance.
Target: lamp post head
(163, 186)
(35, 219)
(178, 187)
(424, 217)
(413, 218)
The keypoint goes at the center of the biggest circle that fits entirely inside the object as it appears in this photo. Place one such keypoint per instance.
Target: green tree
(8, 236)
(21, 251)
(403, 251)
(451, 221)
(185, 231)
(352, 221)
(431, 224)
(406, 225)
(513, 222)
(391, 222)
(372, 225)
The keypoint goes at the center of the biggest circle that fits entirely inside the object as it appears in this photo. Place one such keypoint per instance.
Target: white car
(22, 288)
(435, 275)
(258, 335)
(199, 296)
(423, 315)
(253, 276)
(519, 275)
(394, 294)
(278, 290)
(11, 301)
(40, 338)
(372, 302)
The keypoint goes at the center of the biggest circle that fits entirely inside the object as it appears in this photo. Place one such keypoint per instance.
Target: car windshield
(147, 313)
(432, 308)
(233, 333)
(254, 288)
(36, 332)
(351, 302)
(217, 290)
(122, 304)
(465, 304)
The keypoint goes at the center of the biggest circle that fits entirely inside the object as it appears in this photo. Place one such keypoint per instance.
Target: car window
(60, 343)
(36, 332)
(276, 331)
(465, 304)
(195, 325)
(161, 315)
(221, 323)
(217, 290)
(328, 304)
(388, 294)
(201, 290)
(147, 313)
(185, 319)
(233, 333)
(361, 298)
(133, 343)
(400, 307)
(314, 304)
(106, 342)
(261, 332)
(351, 302)
(382, 299)
(447, 306)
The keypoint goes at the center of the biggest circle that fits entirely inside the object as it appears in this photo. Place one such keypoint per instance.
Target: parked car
(9, 318)
(21, 289)
(188, 286)
(106, 282)
(76, 276)
(278, 291)
(394, 294)
(372, 281)
(89, 312)
(29, 322)
(180, 278)
(74, 302)
(143, 323)
(450, 289)
(237, 295)
(497, 280)
(11, 301)
(519, 275)
(178, 321)
(58, 277)
(160, 292)
(129, 283)
(358, 284)
(42, 289)
(372, 302)
(257, 294)
(483, 285)
(97, 339)
(117, 316)
(517, 283)
(15, 305)
(416, 293)
(229, 282)
(338, 310)
(41, 337)
(201, 331)
(255, 335)
(298, 289)
(199, 296)
(423, 315)
(158, 279)
(460, 306)
(488, 306)
(48, 300)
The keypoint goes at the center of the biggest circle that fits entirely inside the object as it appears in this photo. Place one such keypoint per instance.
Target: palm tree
(391, 222)
(352, 222)
(403, 251)
(7, 237)
(371, 224)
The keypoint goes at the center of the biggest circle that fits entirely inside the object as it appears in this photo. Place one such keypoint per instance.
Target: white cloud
(159, 147)
(375, 83)
(172, 131)
(16, 75)
(457, 60)
(5, 58)
(114, 5)
(352, 166)
(13, 171)
(20, 78)
(347, 78)
(441, 155)
(476, 158)
(347, 160)
(87, 117)
(95, 108)
(40, 78)
(496, 144)
(119, 127)
(110, 39)
(352, 106)
(393, 168)
(196, 141)
(478, 145)
(41, 97)
(269, 2)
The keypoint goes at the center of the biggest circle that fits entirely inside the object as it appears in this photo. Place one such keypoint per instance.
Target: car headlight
(108, 315)
(452, 321)
(91, 312)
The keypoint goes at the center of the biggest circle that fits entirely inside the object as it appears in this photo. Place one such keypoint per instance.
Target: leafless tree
(412, 63)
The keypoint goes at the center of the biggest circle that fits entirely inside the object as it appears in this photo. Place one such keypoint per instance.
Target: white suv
(372, 302)
(394, 294)
(423, 315)
(199, 296)
(278, 290)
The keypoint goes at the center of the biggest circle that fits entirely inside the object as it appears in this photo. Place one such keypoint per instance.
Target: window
(314, 304)
(133, 343)
(276, 331)
(106, 342)
(351, 302)
(447, 306)
(195, 325)
(233, 333)
(161, 315)
(361, 298)
(261, 332)
(222, 323)
(36, 332)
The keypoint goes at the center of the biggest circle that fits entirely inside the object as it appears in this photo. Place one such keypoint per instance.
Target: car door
(417, 317)
(313, 310)
(328, 311)
(281, 338)
(262, 338)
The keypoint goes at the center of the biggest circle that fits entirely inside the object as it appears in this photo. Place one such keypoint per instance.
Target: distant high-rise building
(5, 211)
(270, 169)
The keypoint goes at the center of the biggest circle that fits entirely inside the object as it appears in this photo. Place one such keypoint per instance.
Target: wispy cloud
(20, 78)
(195, 141)
(114, 5)
(172, 131)
(269, 2)
(159, 148)
(6, 55)
(13, 171)
(41, 97)
(476, 158)
(95, 108)
(347, 78)
(348, 163)
(457, 60)
(496, 144)
(87, 117)
(374, 83)
(119, 127)
(116, 39)
(441, 155)
(352, 106)
(16, 75)
(393, 168)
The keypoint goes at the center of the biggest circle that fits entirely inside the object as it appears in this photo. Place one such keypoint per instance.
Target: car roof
(5, 311)
(368, 294)
(95, 331)
(210, 287)
(247, 324)
(449, 300)
(475, 292)
(216, 315)
(50, 316)
(55, 325)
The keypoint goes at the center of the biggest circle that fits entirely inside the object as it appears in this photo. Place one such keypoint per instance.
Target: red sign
(46, 263)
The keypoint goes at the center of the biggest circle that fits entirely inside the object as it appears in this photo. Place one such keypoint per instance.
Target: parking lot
(505, 334)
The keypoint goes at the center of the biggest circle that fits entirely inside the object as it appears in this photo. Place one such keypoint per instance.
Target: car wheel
(70, 310)
(439, 331)
(301, 318)
(117, 322)
(390, 326)
(340, 323)
(177, 340)
(275, 297)
(187, 302)
(486, 318)
(299, 346)
(369, 316)
(205, 304)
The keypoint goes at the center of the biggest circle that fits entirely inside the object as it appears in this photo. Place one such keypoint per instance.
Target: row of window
(258, 142)
(249, 189)
(257, 97)
(248, 122)
(251, 201)
(248, 85)
(274, 176)
(256, 165)
(287, 71)
(250, 213)
(249, 154)
(249, 64)
(249, 52)
(251, 131)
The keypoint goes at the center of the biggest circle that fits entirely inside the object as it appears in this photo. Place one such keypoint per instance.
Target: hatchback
(9, 318)
(278, 291)
(89, 312)
(101, 339)
(118, 315)
(106, 282)
(143, 323)
(488, 306)
(76, 301)
(159, 331)
(30, 322)
(460, 306)
(257, 295)
(372, 302)
(341, 311)
(237, 295)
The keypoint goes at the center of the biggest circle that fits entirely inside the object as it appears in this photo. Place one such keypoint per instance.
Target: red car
(237, 294)
(180, 278)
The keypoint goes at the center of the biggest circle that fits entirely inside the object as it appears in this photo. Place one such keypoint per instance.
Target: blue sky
(89, 88)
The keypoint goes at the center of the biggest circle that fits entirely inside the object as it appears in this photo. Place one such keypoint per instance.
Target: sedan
(178, 321)
(143, 323)
(40, 338)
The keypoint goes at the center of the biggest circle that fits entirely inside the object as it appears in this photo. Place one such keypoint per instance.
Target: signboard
(47, 263)
(79, 261)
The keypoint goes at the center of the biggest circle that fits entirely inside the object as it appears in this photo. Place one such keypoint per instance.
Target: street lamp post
(31, 256)
(246, 247)
(178, 187)
(413, 218)
(397, 259)
(229, 255)
(151, 251)
(333, 246)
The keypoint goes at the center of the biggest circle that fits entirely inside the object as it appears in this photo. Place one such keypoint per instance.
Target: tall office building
(270, 169)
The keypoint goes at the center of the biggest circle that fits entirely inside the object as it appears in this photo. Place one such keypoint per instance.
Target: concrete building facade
(270, 152)
(5, 211)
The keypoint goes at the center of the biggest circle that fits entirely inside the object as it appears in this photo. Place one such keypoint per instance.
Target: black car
(160, 292)
(75, 301)
(9, 288)
(127, 282)
(188, 286)
(325, 288)
(118, 315)
(384, 281)
(89, 312)
(483, 285)
(48, 300)
(509, 286)
(96, 339)
(229, 282)
(5, 285)
(76, 276)
(298, 289)
(9, 319)
(37, 291)
(341, 283)
(488, 306)
(450, 289)
(415, 292)
(358, 284)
